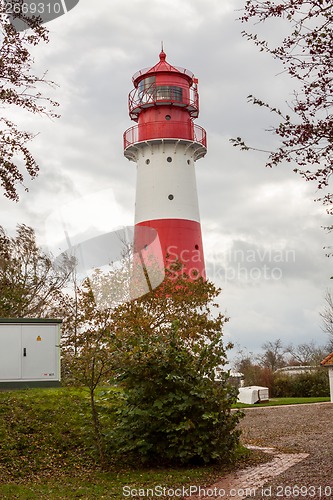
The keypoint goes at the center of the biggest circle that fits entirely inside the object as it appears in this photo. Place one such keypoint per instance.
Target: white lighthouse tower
(165, 144)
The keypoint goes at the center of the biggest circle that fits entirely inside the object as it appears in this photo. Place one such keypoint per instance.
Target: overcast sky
(261, 228)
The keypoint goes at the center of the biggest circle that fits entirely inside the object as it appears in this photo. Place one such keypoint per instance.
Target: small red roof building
(328, 361)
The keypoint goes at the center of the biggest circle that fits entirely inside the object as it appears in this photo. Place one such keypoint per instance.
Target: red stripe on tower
(165, 144)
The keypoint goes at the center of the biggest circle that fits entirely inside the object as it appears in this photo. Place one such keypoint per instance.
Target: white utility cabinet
(29, 352)
(253, 394)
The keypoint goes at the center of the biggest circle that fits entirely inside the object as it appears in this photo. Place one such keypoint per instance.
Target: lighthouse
(165, 144)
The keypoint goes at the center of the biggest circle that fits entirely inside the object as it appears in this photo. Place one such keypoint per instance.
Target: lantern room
(164, 84)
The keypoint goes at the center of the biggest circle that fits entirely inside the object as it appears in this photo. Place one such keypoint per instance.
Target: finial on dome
(162, 53)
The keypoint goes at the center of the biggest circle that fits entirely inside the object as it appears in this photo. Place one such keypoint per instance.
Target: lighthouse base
(180, 241)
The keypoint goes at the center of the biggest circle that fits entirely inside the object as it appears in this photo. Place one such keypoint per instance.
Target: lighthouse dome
(162, 66)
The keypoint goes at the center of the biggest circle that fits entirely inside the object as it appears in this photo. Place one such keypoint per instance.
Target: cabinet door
(10, 352)
(39, 352)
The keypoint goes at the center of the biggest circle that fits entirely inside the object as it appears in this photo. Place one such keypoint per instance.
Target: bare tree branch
(306, 135)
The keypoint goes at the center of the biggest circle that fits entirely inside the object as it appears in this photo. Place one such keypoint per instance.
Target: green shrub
(169, 346)
(312, 384)
(282, 387)
(173, 414)
(304, 385)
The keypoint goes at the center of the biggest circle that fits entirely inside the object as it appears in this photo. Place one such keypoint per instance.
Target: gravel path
(295, 429)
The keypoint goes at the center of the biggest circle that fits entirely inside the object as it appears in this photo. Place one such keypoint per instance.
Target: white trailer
(29, 352)
(253, 394)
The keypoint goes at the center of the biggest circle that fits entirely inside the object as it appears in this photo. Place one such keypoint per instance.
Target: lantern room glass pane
(166, 92)
(147, 85)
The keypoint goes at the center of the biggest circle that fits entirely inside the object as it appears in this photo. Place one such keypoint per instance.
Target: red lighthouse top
(164, 83)
(165, 103)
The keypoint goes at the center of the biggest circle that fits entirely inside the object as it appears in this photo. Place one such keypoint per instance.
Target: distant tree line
(272, 368)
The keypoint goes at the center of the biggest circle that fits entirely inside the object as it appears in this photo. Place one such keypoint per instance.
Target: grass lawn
(97, 484)
(47, 451)
(284, 401)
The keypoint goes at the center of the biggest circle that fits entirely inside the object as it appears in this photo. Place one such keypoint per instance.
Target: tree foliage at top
(19, 87)
(306, 130)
